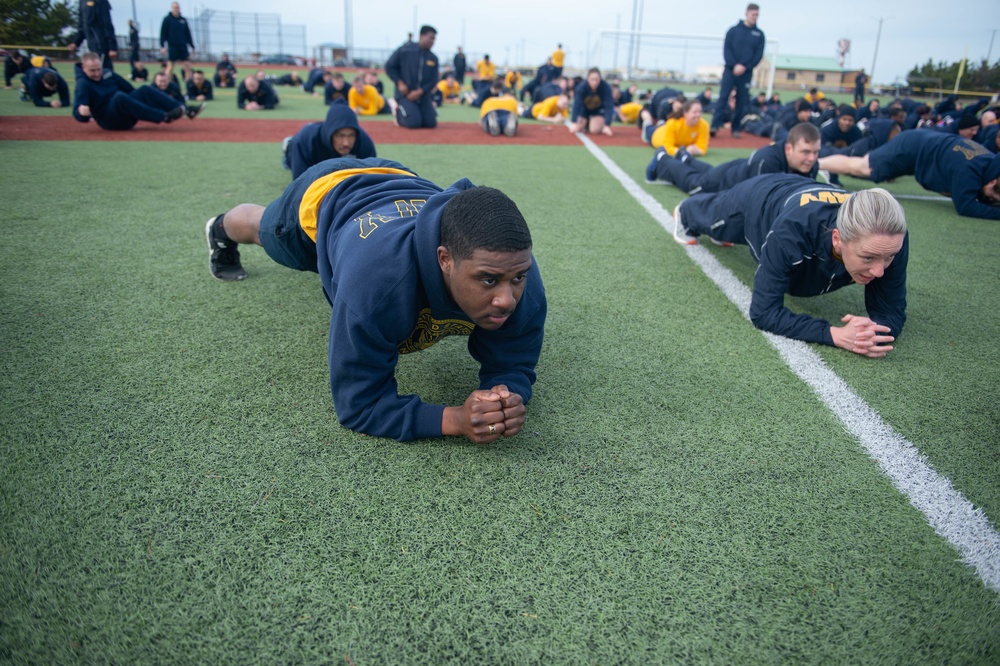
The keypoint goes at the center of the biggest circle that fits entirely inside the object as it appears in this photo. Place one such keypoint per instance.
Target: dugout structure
(646, 56)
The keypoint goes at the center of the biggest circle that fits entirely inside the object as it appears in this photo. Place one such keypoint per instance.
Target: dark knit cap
(966, 121)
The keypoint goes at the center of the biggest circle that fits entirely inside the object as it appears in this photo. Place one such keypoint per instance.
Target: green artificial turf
(174, 485)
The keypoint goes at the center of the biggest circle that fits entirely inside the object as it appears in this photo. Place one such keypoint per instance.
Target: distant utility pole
(878, 37)
(989, 54)
(348, 31)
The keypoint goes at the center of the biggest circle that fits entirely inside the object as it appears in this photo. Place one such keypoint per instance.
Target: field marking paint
(952, 516)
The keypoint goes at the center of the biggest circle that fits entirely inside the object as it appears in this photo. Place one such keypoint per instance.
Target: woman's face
(693, 115)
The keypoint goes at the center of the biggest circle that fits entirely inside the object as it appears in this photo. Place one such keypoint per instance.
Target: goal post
(675, 57)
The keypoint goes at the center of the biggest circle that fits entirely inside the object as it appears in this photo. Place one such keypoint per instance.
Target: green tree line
(977, 76)
(37, 22)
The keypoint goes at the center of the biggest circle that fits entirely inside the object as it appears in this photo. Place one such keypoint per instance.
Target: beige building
(804, 72)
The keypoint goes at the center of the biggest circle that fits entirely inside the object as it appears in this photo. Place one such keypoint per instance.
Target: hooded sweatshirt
(314, 142)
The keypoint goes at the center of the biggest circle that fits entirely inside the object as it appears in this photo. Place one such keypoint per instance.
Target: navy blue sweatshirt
(942, 163)
(313, 143)
(175, 30)
(586, 99)
(414, 66)
(97, 95)
(403, 305)
(37, 90)
(743, 46)
(95, 27)
(788, 225)
(265, 95)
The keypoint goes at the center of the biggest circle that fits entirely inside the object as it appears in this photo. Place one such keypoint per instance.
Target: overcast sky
(524, 32)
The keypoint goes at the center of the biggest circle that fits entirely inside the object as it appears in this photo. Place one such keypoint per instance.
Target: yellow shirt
(512, 79)
(368, 104)
(629, 113)
(676, 133)
(812, 99)
(502, 103)
(548, 108)
(558, 56)
(449, 90)
(486, 70)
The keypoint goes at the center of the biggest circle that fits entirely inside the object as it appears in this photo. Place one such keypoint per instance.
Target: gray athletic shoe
(681, 234)
(510, 127)
(492, 124)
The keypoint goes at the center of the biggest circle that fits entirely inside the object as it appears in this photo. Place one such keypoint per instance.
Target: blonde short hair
(870, 212)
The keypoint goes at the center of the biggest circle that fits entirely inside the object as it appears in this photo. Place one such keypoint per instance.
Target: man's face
(593, 80)
(359, 86)
(845, 123)
(93, 69)
(343, 141)
(802, 155)
(968, 132)
(804, 115)
(486, 286)
(251, 84)
(868, 257)
(199, 78)
(160, 81)
(175, 9)
(427, 40)
(752, 17)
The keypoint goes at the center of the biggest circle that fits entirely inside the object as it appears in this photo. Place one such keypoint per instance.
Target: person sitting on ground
(199, 88)
(486, 71)
(945, 163)
(164, 84)
(810, 239)
(796, 154)
(428, 262)
(339, 135)
(593, 106)
(684, 131)
(139, 72)
(112, 101)
(372, 79)
(498, 115)
(447, 91)
(814, 96)
(364, 99)
(335, 88)
(225, 73)
(255, 95)
(42, 82)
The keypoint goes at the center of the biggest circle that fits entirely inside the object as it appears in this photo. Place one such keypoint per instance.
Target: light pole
(878, 37)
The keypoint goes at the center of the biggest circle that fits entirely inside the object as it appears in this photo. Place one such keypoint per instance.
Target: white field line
(952, 516)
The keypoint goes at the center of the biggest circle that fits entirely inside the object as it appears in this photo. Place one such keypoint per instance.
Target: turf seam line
(949, 513)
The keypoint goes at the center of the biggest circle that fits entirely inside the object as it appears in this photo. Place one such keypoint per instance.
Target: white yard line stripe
(952, 516)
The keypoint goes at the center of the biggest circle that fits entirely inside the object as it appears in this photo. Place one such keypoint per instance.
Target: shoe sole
(721, 243)
(685, 240)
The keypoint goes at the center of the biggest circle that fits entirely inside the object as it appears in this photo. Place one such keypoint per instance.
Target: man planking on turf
(404, 263)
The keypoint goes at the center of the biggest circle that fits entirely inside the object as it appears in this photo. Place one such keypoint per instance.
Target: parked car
(280, 59)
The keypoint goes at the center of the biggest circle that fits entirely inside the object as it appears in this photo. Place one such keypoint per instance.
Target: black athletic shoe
(193, 111)
(173, 114)
(224, 255)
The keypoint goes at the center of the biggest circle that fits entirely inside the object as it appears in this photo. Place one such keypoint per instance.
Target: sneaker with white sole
(492, 124)
(651, 178)
(223, 255)
(721, 243)
(193, 111)
(510, 127)
(681, 234)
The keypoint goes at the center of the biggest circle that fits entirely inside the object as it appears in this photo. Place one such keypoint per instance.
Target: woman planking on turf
(809, 239)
